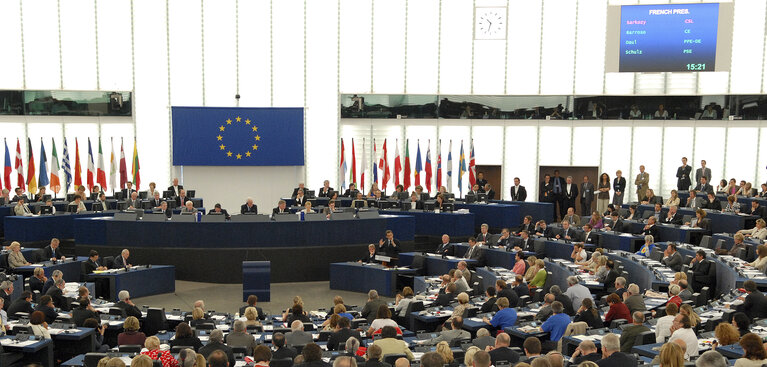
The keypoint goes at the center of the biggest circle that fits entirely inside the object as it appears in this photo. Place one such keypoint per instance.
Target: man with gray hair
(711, 358)
(586, 351)
(501, 351)
(460, 282)
(567, 303)
(57, 294)
(189, 208)
(483, 339)
(297, 335)
(239, 337)
(629, 334)
(576, 291)
(129, 309)
(216, 342)
(371, 307)
(620, 286)
(633, 299)
(57, 274)
(545, 310)
(6, 289)
(612, 355)
(122, 260)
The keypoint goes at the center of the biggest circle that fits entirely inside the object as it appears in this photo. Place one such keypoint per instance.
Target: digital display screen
(667, 38)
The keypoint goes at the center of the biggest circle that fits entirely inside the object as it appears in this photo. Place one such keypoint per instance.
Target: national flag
(101, 175)
(136, 167)
(375, 163)
(343, 166)
(418, 167)
(7, 169)
(428, 166)
(439, 164)
(461, 170)
(19, 165)
(363, 166)
(123, 167)
(78, 168)
(385, 169)
(31, 179)
(43, 181)
(91, 170)
(397, 163)
(450, 166)
(353, 170)
(55, 168)
(67, 167)
(472, 166)
(406, 174)
(112, 167)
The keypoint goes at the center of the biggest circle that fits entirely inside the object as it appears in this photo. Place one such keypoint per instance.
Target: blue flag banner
(234, 136)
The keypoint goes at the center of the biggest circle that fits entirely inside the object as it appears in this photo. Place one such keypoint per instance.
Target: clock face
(490, 23)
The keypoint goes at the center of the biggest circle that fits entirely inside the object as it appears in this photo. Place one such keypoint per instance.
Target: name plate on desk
(382, 258)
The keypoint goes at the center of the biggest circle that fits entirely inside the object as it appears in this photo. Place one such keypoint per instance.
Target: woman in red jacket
(618, 309)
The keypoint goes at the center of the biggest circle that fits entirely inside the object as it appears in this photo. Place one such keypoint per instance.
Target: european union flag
(233, 136)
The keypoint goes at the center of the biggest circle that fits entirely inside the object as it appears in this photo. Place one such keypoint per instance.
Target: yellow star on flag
(238, 118)
(222, 146)
(228, 121)
(247, 154)
(221, 128)
(239, 156)
(255, 147)
(228, 154)
(247, 122)
(255, 128)
(219, 137)
(258, 138)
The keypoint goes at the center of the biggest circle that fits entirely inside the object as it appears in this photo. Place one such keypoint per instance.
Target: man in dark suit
(587, 196)
(490, 192)
(217, 210)
(570, 193)
(252, 302)
(128, 190)
(527, 243)
(701, 269)
(527, 225)
(6, 289)
(501, 350)
(629, 334)
(181, 199)
(92, 264)
(156, 200)
(484, 235)
(520, 287)
(475, 252)
(444, 299)
(616, 223)
(342, 333)
(281, 208)
(704, 186)
(758, 210)
(121, 261)
(481, 182)
(53, 251)
(589, 236)
(300, 198)
(755, 303)
(57, 295)
(566, 233)
(163, 209)
(22, 304)
(370, 257)
(128, 307)
(300, 187)
(612, 274)
(391, 246)
(46, 307)
(683, 181)
(283, 351)
(651, 229)
(175, 189)
(37, 281)
(518, 193)
(490, 301)
(370, 310)
(504, 241)
(712, 203)
(672, 258)
(503, 290)
(546, 192)
(249, 207)
(351, 192)
(612, 355)
(445, 248)
(672, 217)
(326, 190)
(558, 189)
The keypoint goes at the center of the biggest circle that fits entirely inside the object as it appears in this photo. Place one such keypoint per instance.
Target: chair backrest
(239, 350)
(705, 241)
(645, 337)
(719, 244)
(647, 213)
(154, 321)
(92, 359)
(576, 328)
(618, 322)
(130, 348)
(283, 362)
(391, 358)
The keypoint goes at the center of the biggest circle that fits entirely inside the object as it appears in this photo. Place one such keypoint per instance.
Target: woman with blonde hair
(402, 301)
(673, 200)
(297, 301)
(761, 260)
(686, 309)
(602, 270)
(198, 317)
(468, 357)
(678, 276)
(530, 273)
(758, 232)
(152, 345)
(141, 360)
(16, 258)
(671, 355)
(251, 317)
(540, 274)
(131, 335)
(443, 349)
(458, 310)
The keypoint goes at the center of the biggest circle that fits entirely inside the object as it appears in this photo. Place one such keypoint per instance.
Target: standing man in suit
(249, 207)
(481, 181)
(619, 188)
(53, 251)
(570, 193)
(642, 182)
(128, 190)
(518, 193)
(133, 203)
(587, 196)
(325, 191)
(683, 176)
(702, 172)
(391, 245)
(156, 201)
(181, 199)
(672, 258)
(704, 186)
(558, 184)
(281, 208)
(122, 260)
(175, 188)
(546, 192)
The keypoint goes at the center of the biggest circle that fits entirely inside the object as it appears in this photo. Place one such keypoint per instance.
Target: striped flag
(31, 179)
(461, 170)
(7, 169)
(91, 171)
(78, 168)
(428, 166)
(439, 164)
(343, 166)
(123, 167)
(363, 165)
(101, 175)
(55, 168)
(418, 166)
(136, 167)
(67, 168)
(450, 166)
(112, 167)
(19, 165)
(383, 164)
(43, 181)
(376, 159)
(472, 166)
(397, 163)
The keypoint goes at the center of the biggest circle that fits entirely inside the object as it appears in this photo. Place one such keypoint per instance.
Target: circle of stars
(222, 147)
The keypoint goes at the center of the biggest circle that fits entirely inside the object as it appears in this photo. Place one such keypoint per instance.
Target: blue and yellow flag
(232, 136)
